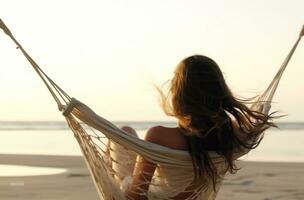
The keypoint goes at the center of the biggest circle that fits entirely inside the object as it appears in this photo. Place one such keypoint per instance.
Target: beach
(255, 181)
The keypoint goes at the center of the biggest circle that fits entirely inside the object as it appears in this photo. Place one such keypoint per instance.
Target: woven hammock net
(111, 154)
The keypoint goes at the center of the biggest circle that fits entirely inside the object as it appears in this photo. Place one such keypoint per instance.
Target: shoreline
(255, 180)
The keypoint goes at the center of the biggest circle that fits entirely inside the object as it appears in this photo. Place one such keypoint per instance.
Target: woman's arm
(143, 171)
(142, 176)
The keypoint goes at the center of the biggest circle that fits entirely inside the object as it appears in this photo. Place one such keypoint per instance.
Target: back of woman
(175, 182)
(210, 119)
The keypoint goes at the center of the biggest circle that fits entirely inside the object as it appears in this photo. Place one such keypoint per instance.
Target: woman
(209, 118)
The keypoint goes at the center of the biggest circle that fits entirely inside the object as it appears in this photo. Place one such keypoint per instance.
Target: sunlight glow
(110, 53)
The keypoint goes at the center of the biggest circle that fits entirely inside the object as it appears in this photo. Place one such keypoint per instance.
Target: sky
(110, 54)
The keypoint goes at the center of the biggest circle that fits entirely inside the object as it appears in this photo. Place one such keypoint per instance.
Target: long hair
(209, 114)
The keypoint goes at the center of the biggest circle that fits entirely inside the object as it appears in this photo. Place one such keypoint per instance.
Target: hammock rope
(51, 86)
(275, 82)
(111, 153)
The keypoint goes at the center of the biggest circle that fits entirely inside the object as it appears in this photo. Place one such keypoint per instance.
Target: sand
(255, 181)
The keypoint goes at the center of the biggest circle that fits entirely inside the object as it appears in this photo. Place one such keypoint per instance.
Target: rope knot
(69, 107)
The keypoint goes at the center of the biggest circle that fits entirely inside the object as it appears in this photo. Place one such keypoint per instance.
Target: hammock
(111, 153)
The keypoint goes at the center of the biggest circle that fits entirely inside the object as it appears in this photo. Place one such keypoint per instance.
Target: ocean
(55, 138)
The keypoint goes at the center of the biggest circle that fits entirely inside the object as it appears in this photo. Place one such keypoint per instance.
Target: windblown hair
(209, 115)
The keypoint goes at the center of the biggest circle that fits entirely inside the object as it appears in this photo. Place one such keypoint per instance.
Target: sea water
(55, 138)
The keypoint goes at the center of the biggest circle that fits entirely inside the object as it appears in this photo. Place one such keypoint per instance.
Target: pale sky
(109, 54)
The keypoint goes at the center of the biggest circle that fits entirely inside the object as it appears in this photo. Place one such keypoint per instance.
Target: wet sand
(255, 181)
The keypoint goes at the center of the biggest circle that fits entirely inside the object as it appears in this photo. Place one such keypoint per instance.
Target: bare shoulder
(165, 136)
